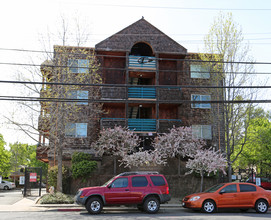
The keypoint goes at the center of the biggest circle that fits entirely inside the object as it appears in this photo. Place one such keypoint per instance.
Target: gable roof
(141, 31)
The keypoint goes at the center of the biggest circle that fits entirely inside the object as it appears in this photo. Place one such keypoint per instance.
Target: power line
(155, 58)
(130, 85)
(38, 99)
(183, 8)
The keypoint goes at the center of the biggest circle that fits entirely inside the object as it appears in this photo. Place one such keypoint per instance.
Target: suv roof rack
(138, 173)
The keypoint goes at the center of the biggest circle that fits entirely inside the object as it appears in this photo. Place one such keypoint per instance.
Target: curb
(77, 208)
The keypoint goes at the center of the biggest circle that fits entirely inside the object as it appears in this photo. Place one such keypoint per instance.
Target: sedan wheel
(6, 188)
(209, 206)
(261, 206)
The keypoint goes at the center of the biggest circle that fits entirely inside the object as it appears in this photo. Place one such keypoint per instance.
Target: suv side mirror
(109, 186)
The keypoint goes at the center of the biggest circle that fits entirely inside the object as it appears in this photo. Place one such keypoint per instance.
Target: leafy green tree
(25, 155)
(232, 67)
(4, 158)
(257, 151)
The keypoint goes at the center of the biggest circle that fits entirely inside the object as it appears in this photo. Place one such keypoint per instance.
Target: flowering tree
(206, 161)
(116, 141)
(178, 142)
(142, 158)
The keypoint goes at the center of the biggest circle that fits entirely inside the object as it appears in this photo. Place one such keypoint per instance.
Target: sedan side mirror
(222, 191)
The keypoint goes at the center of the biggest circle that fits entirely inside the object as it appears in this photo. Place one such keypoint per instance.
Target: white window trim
(201, 105)
(200, 128)
(77, 126)
(77, 67)
(77, 96)
(199, 74)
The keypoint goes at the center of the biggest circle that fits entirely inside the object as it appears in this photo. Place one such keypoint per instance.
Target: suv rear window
(247, 188)
(139, 181)
(158, 180)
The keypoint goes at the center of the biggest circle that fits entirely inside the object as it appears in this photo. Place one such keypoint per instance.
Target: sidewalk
(29, 204)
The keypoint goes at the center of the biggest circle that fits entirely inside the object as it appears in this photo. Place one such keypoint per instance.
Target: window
(202, 131)
(199, 71)
(158, 180)
(76, 130)
(78, 94)
(120, 183)
(139, 181)
(247, 188)
(229, 189)
(200, 98)
(78, 66)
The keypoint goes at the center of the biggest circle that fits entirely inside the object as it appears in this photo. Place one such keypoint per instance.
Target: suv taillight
(167, 191)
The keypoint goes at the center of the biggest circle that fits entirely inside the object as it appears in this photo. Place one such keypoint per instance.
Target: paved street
(134, 214)
(14, 206)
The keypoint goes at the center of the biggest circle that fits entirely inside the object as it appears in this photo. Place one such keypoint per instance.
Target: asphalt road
(9, 197)
(166, 214)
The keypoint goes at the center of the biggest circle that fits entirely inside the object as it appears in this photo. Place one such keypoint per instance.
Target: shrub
(82, 166)
(52, 177)
(56, 198)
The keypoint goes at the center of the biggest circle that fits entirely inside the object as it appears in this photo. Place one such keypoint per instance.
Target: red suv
(147, 190)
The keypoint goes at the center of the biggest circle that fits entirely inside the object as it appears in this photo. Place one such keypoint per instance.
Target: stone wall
(179, 185)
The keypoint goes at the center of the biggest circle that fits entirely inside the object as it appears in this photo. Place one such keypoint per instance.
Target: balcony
(142, 62)
(141, 93)
(113, 92)
(142, 125)
(42, 152)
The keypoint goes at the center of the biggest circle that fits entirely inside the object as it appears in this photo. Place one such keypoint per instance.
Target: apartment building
(148, 83)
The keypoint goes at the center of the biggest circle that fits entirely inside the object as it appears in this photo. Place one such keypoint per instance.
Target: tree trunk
(59, 166)
(115, 165)
(179, 165)
(201, 181)
(229, 172)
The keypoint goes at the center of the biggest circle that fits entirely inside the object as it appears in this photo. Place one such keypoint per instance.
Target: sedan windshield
(214, 188)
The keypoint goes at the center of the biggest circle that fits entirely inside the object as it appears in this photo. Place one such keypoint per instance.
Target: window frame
(199, 71)
(78, 65)
(77, 94)
(72, 130)
(201, 105)
(199, 134)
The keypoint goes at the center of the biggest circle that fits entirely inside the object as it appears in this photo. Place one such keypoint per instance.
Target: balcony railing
(141, 125)
(142, 93)
(142, 62)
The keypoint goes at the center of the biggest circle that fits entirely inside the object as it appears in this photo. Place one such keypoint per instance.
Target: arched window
(141, 49)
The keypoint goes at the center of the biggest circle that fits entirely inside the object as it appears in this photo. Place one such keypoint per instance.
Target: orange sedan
(230, 195)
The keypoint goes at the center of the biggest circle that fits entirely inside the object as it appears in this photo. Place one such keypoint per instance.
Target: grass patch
(56, 198)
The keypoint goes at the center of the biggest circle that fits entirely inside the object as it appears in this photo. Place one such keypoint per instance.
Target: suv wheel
(151, 205)
(94, 205)
(261, 206)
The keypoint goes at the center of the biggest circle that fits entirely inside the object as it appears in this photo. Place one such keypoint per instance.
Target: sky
(25, 23)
